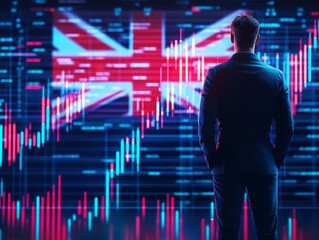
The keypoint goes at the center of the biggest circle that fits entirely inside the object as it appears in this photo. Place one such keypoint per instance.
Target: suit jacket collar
(245, 55)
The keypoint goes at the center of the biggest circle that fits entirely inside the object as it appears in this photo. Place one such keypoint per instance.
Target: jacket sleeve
(207, 119)
(284, 123)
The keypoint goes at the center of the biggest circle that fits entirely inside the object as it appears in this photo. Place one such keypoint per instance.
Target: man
(244, 95)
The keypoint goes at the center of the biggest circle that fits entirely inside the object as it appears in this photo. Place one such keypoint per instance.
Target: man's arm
(284, 123)
(207, 119)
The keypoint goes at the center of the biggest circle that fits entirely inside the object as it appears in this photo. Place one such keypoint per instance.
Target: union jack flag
(139, 63)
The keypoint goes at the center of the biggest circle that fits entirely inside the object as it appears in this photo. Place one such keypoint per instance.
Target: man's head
(244, 33)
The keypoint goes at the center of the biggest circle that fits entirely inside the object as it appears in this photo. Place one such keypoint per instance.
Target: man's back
(246, 93)
(244, 96)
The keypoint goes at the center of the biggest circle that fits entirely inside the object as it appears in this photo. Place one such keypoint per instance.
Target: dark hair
(245, 29)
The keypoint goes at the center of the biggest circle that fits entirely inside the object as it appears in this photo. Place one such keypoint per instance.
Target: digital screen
(99, 108)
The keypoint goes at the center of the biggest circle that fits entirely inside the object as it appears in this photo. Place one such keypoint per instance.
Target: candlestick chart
(98, 118)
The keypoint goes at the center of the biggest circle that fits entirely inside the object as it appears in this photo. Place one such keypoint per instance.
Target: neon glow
(98, 121)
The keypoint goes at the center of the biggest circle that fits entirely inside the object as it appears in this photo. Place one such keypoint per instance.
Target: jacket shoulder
(273, 70)
(221, 66)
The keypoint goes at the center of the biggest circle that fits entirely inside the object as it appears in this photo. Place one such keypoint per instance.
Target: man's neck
(251, 50)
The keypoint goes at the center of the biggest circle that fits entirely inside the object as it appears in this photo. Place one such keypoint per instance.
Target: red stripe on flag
(215, 37)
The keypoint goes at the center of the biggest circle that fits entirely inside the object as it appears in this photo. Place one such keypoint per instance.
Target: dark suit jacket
(244, 95)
